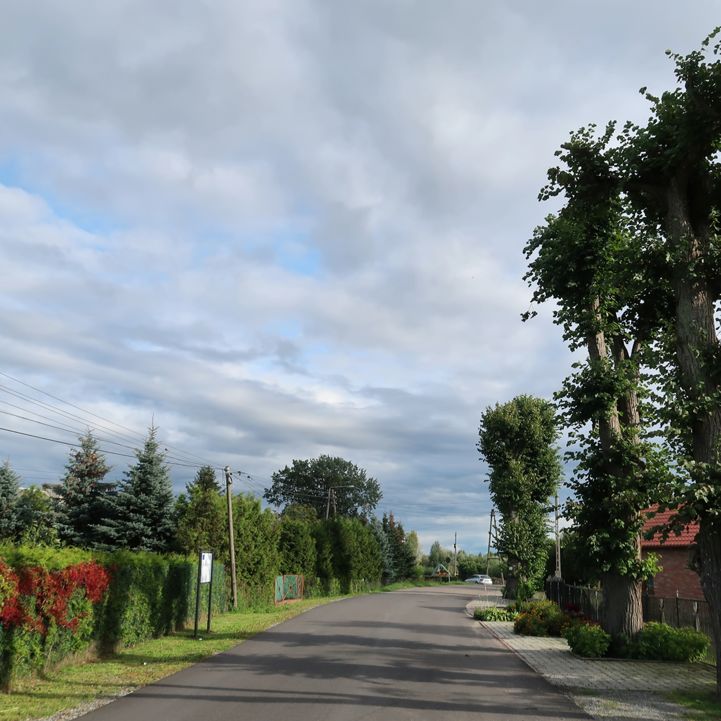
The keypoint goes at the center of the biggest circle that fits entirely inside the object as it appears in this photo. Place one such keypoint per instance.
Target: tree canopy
(517, 440)
(315, 482)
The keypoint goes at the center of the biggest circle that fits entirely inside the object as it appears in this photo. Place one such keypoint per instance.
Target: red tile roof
(686, 539)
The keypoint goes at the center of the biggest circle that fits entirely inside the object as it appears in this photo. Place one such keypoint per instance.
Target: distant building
(675, 556)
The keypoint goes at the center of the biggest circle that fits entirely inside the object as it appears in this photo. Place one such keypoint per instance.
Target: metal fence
(678, 612)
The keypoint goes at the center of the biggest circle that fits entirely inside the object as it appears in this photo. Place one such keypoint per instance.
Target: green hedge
(149, 595)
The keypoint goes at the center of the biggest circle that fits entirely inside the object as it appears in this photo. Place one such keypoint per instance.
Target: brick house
(675, 554)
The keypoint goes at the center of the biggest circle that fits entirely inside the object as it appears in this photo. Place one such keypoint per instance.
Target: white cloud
(291, 228)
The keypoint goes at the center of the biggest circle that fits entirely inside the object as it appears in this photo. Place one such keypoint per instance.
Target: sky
(278, 229)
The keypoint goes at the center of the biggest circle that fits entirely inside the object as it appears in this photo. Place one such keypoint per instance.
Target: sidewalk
(607, 690)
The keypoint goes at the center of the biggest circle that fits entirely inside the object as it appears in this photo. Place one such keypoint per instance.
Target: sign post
(205, 575)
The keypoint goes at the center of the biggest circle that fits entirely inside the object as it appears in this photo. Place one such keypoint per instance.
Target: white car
(480, 578)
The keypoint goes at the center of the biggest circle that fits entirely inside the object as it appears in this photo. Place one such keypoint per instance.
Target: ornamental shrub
(58, 602)
(495, 614)
(539, 618)
(587, 639)
(662, 642)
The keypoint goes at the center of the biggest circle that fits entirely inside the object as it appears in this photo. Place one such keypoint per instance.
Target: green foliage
(142, 509)
(308, 482)
(149, 595)
(9, 495)
(37, 518)
(539, 618)
(201, 516)
(82, 495)
(495, 613)
(297, 547)
(403, 557)
(587, 639)
(517, 441)
(438, 554)
(662, 642)
(258, 558)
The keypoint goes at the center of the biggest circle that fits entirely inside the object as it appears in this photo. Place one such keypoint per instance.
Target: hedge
(56, 603)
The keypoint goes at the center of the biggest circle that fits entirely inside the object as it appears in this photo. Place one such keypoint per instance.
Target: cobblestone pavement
(552, 658)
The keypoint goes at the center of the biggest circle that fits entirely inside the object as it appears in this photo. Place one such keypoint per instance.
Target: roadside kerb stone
(552, 658)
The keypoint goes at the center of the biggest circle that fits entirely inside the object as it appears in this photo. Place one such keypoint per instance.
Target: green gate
(288, 588)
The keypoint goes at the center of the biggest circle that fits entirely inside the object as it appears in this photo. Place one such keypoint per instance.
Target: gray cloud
(294, 228)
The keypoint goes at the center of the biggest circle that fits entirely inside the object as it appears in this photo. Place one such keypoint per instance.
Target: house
(676, 578)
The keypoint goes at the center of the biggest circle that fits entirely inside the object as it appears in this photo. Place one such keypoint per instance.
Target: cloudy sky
(286, 228)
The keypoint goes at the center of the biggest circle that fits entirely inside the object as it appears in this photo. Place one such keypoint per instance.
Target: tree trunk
(696, 346)
(623, 610)
(622, 605)
(709, 561)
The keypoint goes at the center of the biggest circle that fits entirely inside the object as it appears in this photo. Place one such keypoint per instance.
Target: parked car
(480, 578)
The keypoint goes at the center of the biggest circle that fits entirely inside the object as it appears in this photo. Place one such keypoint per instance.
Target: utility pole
(491, 523)
(455, 554)
(327, 505)
(558, 545)
(231, 538)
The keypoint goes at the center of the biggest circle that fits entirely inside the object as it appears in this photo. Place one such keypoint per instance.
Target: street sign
(206, 567)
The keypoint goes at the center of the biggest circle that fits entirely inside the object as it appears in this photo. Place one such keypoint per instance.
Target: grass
(80, 683)
(701, 707)
(400, 585)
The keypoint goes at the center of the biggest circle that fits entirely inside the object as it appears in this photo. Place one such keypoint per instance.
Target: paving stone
(552, 658)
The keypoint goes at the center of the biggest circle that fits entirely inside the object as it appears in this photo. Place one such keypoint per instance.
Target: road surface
(402, 655)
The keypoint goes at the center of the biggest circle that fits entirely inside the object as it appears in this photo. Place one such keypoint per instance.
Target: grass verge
(78, 684)
(701, 707)
(400, 585)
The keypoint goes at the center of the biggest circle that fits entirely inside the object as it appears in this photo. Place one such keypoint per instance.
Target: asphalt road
(403, 655)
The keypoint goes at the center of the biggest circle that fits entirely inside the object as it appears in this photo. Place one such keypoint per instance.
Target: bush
(662, 642)
(587, 639)
(539, 618)
(494, 614)
(58, 602)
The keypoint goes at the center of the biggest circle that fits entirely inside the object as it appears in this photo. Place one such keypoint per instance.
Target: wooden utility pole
(327, 505)
(491, 524)
(558, 545)
(455, 554)
(231, 537)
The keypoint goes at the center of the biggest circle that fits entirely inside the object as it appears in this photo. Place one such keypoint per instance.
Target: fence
(678, 612)
(289, 588)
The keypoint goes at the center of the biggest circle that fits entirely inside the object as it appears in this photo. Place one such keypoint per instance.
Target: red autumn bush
(33, 597)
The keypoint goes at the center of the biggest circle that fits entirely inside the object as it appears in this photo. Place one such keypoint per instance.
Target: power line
(77, 445)
(55, 409)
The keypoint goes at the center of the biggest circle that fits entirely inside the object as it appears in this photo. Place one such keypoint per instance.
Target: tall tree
(9, 495)
(143, 507)
(201, 516)
(582, 259)
(403, 556)
(517, 440)
(673, 177)
(329, 484)
(82, 495)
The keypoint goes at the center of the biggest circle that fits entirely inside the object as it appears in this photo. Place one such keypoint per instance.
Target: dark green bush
(495, 614)
(587, 639)
(539, 618)
(662, 642)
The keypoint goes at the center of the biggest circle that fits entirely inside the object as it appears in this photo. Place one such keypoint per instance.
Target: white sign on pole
(206, 565)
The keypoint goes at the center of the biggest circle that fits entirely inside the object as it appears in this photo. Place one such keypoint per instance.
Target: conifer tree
(143, 506)
(82, 503)
(9, 496)
(201, 515)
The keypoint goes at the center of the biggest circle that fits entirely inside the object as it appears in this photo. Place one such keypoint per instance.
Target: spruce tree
(143, 505)
(9, 496)
(82, 503)
(201, 515)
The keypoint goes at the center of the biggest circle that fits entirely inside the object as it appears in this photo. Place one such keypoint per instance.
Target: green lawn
(704, 707)
(144, 663)
(399, 585)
